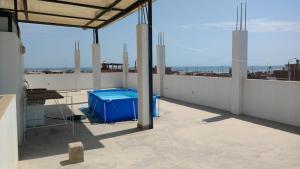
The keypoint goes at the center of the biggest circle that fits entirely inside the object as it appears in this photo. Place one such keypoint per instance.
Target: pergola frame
(80, 4)
(121, 13)
(150, 62)
(24, 8)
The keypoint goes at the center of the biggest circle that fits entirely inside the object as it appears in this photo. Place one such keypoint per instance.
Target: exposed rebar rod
(124, 47)
(139, 14)
(245, 16)
(16, 9)
(241, 23)
(158, 39)
(163, 40)
(237, 17)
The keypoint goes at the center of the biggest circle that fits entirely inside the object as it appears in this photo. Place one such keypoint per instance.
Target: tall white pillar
(239, 66)
(77, 66)
(125, 66)
(96, 66)
(143, 76)
(161, 63)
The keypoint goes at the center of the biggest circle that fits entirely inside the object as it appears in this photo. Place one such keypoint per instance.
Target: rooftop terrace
(185, 136)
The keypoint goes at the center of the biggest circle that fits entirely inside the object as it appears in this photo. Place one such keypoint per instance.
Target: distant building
(293, 71)
(53, 71)
(281, 74)
(289, 72)
(112, 67)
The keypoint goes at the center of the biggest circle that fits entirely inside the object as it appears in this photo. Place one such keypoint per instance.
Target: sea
(224, 69)
(202, 69)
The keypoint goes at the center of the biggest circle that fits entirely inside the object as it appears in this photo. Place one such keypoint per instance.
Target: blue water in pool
(116, 94)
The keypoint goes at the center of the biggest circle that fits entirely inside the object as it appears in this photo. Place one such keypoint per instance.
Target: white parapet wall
(132, 81)
(8, 130)
(267, 99)
(68, 81)
(207, 91)
(273, 100)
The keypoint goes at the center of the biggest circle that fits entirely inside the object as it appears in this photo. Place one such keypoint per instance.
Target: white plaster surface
(125, 66)
(12, 73)
(67, 81)
(273, 100)
(161, 68)
(8, 133)
(77, 69)
(132, 81)
(239, 69)
(96, 61)
(206, 91)
(143, 74)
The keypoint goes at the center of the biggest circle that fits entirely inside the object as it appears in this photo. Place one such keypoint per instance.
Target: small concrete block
(76, 152)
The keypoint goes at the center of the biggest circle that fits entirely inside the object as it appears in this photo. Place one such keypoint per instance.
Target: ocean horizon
(203, 69)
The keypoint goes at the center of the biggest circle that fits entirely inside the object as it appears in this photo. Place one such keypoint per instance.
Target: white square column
(125, 66)
(77, 66)
(239, 69)
(96, 66)
(161, 64)
(143, 76)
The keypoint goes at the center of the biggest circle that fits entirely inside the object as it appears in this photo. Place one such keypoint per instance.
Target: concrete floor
(186, 136)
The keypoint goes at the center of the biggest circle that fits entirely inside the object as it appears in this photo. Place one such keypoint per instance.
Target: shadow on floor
(223, 115)
(216, 119)
(77, 103)
(92, 117)
(43, 142)
(117, 133)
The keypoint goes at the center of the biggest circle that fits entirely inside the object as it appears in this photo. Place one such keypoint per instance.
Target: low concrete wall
(132, 81)
(67, 81)
(8, 130)
(206, 91)
(273, 100)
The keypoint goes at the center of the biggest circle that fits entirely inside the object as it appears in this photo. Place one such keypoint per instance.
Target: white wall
(8, 130)
(12, 73)
(67, 81)
(132, 81)
(206, 91)
(273, 100)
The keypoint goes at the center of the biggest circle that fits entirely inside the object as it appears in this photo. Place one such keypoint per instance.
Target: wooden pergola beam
(25, 7)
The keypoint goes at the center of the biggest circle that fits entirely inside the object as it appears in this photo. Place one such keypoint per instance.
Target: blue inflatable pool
(115, 104)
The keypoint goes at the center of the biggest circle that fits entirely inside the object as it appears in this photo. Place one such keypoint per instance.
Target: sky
(197, 33)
